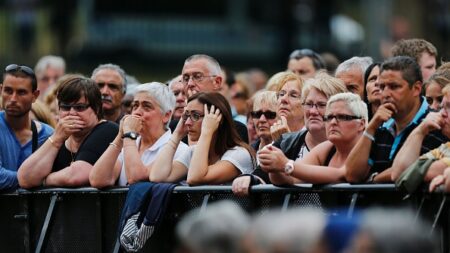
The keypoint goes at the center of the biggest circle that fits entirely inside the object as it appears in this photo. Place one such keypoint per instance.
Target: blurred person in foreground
(80, 138)
(402, 232)
(220, 228)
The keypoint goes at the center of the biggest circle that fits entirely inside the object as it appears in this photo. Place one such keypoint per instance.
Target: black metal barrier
(86, 219)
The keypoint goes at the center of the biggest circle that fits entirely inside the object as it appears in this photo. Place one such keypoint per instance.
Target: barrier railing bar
(286, 200)
(48, 217)
(352, 205)
(438, 214)
(204, 203)
(419, 209)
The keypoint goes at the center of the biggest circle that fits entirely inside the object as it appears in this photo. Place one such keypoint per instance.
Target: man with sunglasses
(19, 135)
(111, 79)
(401, 111)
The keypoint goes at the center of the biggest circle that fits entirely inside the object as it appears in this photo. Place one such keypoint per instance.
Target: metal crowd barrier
(86, 219)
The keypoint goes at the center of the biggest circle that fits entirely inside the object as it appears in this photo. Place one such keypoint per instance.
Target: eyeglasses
(195, 77)
(340, 117)
(310, 105)
(77, 107)
(267, 114)
(111, 86)
(194, 116)
(293, 95)
(16, 68)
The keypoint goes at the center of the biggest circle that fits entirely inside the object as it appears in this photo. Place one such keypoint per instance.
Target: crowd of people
(364, 122)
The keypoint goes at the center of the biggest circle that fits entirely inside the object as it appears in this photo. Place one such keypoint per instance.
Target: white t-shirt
(150, 154)
(238, 156)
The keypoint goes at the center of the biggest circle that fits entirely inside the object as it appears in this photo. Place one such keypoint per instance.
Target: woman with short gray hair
(142, 135)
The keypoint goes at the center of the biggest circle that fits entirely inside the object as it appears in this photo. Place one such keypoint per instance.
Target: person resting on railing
(296, 145)
(345, 120)
(435, 123)
(141, 137)
(80, 138)
(219, 155)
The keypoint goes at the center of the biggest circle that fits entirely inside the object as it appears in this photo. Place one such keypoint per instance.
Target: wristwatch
(131, 135)
(289, 167)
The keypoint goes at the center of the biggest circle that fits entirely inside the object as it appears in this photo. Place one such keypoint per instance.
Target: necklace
(70, 148)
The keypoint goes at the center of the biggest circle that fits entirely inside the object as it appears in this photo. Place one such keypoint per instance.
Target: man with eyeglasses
(19, 135)
(401, 111)
(202, 73)
(111, 79)
(305, 63)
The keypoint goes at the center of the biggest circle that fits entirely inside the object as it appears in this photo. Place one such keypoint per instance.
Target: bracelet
(369, 136)
(52, 142)
(114, 145)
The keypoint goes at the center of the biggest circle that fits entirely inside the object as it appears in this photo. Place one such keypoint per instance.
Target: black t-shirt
(92, 147)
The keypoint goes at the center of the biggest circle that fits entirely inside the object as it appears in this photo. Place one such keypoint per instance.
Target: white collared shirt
(150, 154)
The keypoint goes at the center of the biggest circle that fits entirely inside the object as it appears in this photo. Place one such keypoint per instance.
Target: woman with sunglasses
(219, 155)
(141, 137)
(296, 145)
(345, 120)
(80, 138)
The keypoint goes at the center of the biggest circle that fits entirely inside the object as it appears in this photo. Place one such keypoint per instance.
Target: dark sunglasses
(267, 114)
(340, 117)
(77, 107)
(17, 68)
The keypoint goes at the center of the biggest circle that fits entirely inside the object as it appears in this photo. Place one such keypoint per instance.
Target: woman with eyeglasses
(345, 120)
(219, 154)
(80, 138)
(141, 137)
(290, 111)
(296, 145)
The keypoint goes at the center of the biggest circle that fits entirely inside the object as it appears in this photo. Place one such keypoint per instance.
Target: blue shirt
(12, 153)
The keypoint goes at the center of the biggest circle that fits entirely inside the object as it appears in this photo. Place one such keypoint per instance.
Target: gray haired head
(116, 68)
